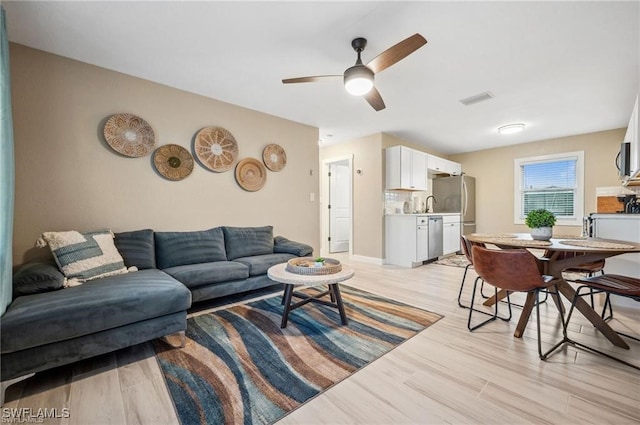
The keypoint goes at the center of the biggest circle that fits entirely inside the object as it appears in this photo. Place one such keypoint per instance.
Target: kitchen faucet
(426, 203)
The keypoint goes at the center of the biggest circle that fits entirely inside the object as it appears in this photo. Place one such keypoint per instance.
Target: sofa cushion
(194, 275)
(34, 278)
(284, 245)
(95, 306)
(137, 248)
(259, 264)
(84, 256)
(248, 241)
(180, 248)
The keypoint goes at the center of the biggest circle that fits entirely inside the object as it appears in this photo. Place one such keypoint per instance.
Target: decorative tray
(307, 266)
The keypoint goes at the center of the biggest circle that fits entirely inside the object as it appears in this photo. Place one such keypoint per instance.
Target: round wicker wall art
(129, 135)
(216, 149)
(251, 174)
(173, 161)
(274, 157)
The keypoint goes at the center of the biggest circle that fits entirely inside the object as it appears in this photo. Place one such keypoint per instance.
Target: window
(554, 182)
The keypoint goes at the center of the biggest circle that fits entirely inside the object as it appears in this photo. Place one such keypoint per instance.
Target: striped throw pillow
(84, 256)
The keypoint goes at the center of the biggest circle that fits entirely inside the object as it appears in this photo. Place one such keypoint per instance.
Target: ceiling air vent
(476, 98)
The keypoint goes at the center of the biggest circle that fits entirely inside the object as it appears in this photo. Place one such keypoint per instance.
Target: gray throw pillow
(34, 278)
(137, 248)
(182, 248)
(248, 241)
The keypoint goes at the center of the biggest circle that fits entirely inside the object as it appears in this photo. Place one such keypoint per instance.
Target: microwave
(623, 160)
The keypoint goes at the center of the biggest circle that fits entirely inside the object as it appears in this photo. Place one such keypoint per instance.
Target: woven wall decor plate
(129, 135)
(173, 161)
(216, 149)
(251, 174)
(274, 157)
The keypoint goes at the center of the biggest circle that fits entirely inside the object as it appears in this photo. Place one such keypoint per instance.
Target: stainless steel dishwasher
(435, 237)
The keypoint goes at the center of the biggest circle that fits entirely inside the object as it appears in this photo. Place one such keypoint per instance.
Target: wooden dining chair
(611, 284)
(514, 270)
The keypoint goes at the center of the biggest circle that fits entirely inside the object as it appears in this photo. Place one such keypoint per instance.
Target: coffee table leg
(335, 291)
(286, 300)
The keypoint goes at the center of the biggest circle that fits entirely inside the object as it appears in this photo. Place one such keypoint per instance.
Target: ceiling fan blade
(314, 79)
(374, 99)
(396, 53)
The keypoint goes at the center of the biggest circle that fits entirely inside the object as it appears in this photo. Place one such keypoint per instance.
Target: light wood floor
(443, 375)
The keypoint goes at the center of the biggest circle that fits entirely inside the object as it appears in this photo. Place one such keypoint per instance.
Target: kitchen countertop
(613, 215)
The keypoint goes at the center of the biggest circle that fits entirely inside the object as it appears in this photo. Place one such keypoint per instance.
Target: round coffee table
(279, 273)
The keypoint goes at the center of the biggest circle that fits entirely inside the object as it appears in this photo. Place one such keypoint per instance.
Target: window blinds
(550, 185)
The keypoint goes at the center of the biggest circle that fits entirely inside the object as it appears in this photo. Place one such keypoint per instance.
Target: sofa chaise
(46, 326)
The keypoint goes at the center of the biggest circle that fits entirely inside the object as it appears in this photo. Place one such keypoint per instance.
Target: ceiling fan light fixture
(511, 128)
(358, 80)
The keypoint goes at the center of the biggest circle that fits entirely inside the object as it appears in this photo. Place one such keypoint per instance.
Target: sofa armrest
(282, 245)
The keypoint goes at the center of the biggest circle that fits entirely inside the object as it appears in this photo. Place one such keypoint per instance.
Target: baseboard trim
(369, 260)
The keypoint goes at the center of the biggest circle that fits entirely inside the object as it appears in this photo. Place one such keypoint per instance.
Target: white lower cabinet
(451, 234)
(407, 239)
(422, 243)
(622, 227)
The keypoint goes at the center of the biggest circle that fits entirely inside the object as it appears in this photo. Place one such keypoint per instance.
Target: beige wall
(493, 170)
(368, 204)
(368, 187)
(389, 141)
(68, 178)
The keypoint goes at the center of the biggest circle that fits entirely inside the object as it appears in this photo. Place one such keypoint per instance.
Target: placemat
(597, 244)
(495, 235)
(519, 242)
(572, 237)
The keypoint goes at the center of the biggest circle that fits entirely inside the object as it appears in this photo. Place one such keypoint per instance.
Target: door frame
(324, 201)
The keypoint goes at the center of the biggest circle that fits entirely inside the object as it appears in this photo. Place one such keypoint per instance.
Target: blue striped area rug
(239, 367)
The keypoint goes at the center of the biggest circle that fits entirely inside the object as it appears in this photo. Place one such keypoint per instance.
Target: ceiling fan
(358, 79)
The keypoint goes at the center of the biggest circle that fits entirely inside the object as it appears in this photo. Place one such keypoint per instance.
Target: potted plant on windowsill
(541, 224)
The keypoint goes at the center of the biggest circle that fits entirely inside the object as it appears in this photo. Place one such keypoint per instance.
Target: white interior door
(339, 206)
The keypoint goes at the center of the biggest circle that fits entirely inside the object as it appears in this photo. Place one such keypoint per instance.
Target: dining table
(560, 253)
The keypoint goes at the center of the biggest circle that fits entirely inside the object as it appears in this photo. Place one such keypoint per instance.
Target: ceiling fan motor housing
(358, 80)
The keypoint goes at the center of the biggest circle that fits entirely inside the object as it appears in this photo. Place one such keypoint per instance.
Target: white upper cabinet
(406, 169)
(437, 165)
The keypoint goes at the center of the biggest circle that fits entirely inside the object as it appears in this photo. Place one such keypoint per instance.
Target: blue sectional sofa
(46, 326)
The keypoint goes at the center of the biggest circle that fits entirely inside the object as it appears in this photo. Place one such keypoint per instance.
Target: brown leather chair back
(596, 266)
(510, 269)
(466, 245)
(466, 248)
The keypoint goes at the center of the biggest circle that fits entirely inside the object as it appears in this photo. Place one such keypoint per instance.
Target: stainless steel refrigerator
(457, 194)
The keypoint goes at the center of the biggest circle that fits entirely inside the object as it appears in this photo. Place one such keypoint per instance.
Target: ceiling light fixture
(511, 128)
(358, 80)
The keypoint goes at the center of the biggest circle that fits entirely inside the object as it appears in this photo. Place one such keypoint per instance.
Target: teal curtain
(6, 170)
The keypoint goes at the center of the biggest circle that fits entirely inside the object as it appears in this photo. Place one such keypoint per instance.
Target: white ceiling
(562, 68)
